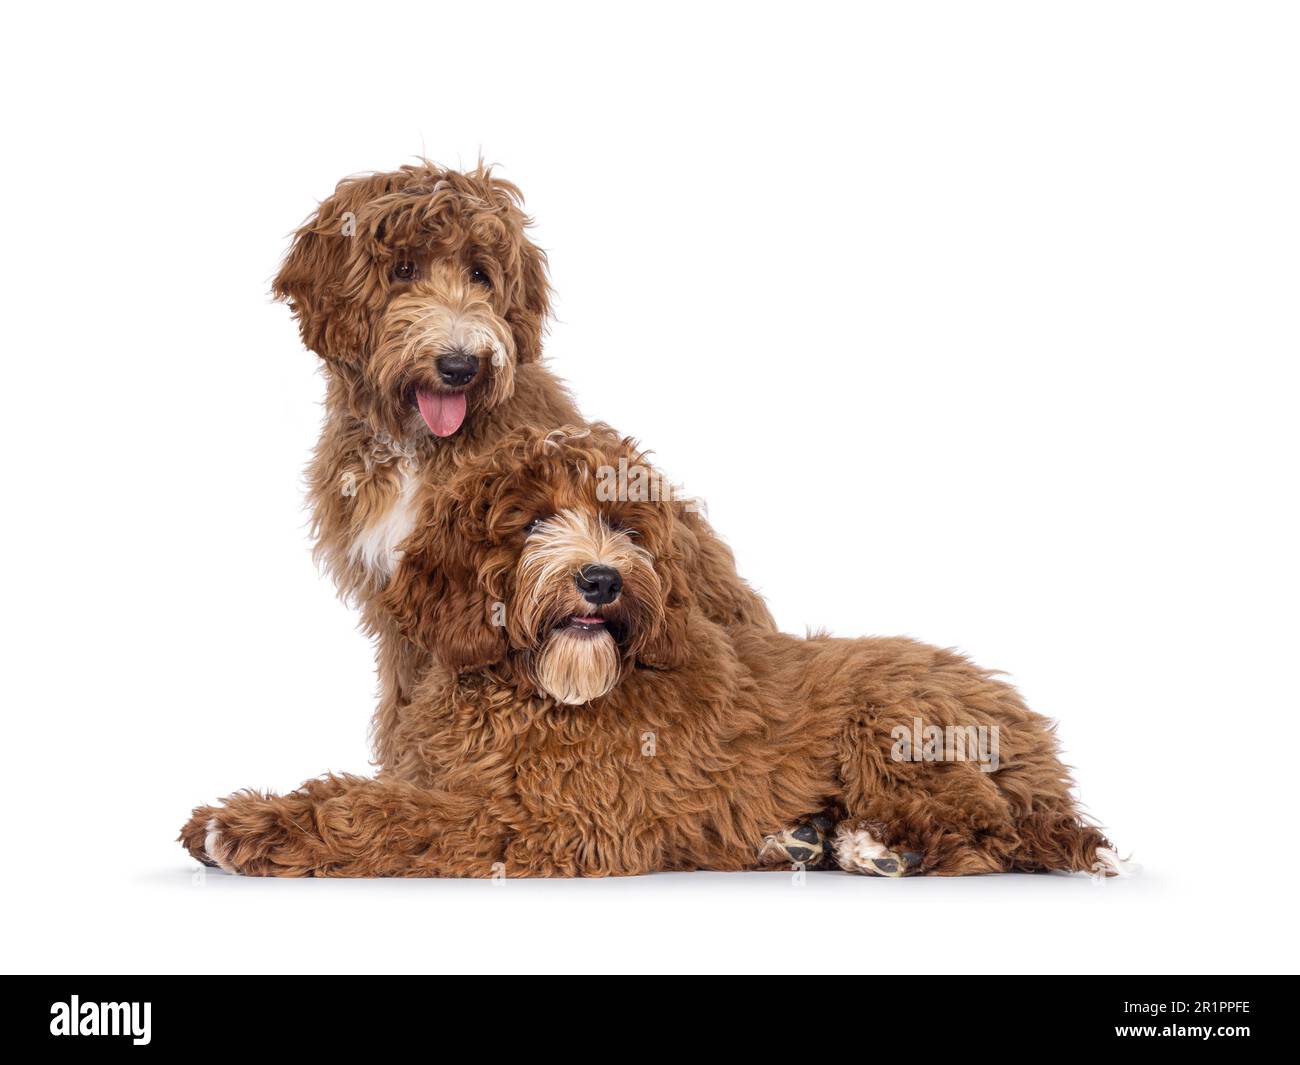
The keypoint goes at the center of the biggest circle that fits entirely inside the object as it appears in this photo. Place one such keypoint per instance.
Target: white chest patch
(375, 547)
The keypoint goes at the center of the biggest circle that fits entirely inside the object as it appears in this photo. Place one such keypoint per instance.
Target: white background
(972, 322)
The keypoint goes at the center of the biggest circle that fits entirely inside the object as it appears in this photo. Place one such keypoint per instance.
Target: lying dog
(426, 300)
(588, 717)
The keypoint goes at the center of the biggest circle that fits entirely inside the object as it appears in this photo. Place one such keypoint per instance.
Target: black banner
(299, 1014)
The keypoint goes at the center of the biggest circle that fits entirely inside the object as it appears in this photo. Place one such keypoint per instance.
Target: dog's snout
(598, 584)
(457, 368)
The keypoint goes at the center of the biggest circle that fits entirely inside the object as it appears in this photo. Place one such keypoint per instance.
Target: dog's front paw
(217, 845)
(858, 849)
(194, 834)
(251, 837)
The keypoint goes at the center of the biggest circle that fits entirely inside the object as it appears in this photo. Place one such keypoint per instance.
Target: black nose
(598, 584)
(457, 369)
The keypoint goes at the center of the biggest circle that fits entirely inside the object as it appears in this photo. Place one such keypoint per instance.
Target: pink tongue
(442, 411)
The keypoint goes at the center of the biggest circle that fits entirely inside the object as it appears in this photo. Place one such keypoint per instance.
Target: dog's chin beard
(577, 665)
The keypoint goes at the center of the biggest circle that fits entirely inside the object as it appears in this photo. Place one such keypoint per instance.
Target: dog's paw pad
(802, 845)
(858, 851)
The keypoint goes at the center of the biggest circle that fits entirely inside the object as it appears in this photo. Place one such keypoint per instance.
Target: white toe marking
(854, 849)
(212, 847)
(1114, 864)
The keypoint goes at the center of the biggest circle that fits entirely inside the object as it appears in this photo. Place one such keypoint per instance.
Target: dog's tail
(1065, 842)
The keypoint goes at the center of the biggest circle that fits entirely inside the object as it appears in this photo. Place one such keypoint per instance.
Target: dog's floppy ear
(530, 293)
(438, 601)
(666, 643)
(328, 278)
(532, 305)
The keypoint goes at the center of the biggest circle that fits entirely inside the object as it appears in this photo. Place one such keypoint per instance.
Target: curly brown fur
(707, 744)
(392, 274)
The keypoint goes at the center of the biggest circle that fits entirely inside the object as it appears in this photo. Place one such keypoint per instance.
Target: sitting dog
(426, 301)
(589, 718)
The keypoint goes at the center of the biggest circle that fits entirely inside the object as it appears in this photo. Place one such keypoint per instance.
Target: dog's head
(557, 560)
(421, 291)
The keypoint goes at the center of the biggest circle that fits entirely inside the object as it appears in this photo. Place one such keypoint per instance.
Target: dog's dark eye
(405, 271)
(480, 277)
(531, 527)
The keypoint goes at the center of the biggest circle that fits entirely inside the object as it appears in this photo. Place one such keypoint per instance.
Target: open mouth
(443, 412)
(590, 627)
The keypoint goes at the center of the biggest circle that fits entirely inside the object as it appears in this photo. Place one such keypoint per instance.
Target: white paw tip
(857, 851)
(1110, 862)
(212, 846)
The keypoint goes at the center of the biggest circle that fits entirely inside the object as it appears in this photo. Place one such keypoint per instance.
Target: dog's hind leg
(943, 819)
(1059, 839)
(1053, 832)
(953, 822)
(857, 848)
